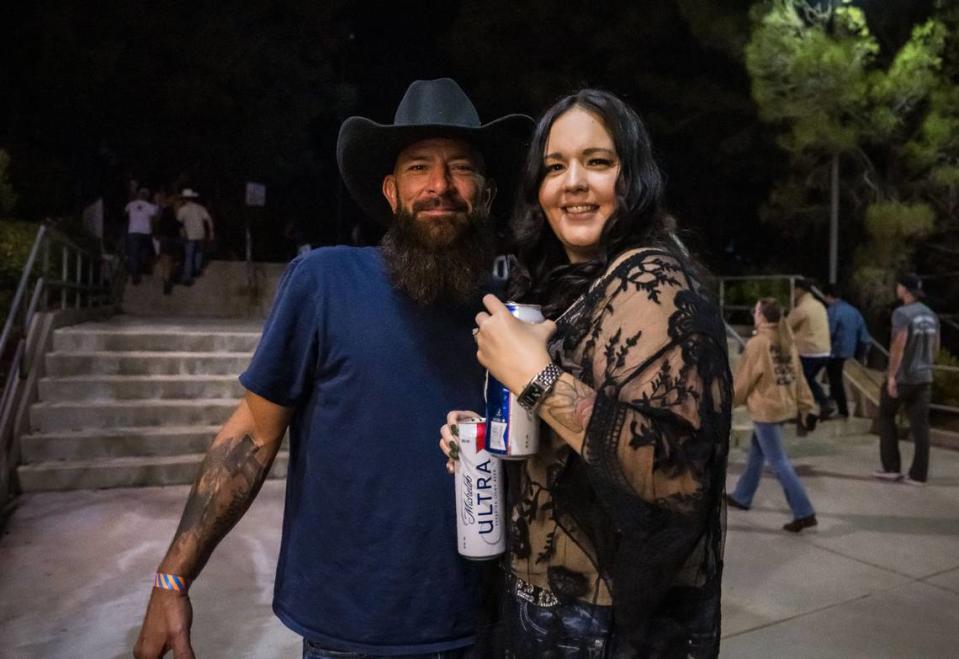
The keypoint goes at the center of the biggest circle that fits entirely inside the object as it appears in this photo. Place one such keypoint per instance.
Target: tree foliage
(809, 71)
(820, 77)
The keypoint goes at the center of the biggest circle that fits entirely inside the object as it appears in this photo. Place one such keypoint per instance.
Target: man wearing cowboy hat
(197, 227)
(912, 353)
(363, 353)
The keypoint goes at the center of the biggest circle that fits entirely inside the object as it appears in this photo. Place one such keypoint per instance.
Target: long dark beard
(439, 260)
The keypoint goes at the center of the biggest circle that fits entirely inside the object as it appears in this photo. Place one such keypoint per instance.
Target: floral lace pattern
(637, 519)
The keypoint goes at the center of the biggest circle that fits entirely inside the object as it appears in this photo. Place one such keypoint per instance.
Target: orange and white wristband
(170, 582)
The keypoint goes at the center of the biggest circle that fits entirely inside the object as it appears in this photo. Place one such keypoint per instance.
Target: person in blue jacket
(850, 339)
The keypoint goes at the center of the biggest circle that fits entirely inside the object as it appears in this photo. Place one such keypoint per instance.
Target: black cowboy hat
(366, 151)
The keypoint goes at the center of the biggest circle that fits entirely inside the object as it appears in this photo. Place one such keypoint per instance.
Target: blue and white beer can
(479, 495)
(513, 432)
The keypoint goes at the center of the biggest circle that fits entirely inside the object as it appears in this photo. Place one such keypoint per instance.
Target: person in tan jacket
(768, 383)
(809, 323)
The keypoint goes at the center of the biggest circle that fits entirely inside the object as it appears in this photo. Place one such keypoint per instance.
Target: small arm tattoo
(571, 404)
(230, 478)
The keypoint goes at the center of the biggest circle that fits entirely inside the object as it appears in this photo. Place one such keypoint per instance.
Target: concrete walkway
(879, 579)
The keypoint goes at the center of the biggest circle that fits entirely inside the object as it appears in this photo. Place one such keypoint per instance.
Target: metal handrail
(21, 288)
(102, 287)
(731, 332)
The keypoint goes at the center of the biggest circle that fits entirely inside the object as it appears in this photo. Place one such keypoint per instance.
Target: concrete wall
(222, 292)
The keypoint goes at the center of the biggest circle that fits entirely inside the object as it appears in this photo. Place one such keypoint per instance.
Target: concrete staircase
(134, 401)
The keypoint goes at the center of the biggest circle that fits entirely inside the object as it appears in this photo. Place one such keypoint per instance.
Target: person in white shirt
(197, 227)
(140, 213)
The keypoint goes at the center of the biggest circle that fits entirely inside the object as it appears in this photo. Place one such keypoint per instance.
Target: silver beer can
(479, 495)
(513, 431)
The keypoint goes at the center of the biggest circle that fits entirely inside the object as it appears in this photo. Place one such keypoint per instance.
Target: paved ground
(879, 579)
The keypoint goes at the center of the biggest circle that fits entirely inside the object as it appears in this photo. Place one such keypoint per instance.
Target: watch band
(539, 386)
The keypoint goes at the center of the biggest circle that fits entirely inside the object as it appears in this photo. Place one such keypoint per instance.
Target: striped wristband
(170, 582)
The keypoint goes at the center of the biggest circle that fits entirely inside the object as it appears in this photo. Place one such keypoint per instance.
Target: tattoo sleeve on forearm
(571, 404)
(229, 479)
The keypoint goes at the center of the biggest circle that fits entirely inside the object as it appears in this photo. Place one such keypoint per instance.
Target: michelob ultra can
(479, 495)
(513, 432)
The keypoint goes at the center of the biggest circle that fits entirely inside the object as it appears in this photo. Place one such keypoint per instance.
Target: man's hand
(166, 627)
(449, 436)
(235, 466)
(891, 388)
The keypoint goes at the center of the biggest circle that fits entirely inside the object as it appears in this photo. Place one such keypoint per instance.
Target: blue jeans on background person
(192, 259)
(811, 366)
(767, 445)
(139, 254)
(313, 650)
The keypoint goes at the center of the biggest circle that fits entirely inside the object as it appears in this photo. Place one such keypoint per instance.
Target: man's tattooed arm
(567, 409)
(230, 477)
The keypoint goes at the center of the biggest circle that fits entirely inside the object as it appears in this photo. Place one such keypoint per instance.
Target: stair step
(164, 340)
(132, 387)
(120, 472)
(146, 363)
(83, 415)
(116, 443)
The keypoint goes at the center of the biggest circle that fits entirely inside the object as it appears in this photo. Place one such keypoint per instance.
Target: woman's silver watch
(539, 386)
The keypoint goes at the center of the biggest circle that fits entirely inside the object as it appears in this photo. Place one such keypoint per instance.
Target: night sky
(212, 94)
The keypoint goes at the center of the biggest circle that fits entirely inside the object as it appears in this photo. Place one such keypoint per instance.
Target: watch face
(530, 395)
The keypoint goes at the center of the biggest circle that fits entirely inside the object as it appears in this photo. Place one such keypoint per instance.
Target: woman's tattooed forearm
(229, 479)
(571, 404)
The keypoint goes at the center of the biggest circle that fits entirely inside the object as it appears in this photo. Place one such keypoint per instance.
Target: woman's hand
(449, 442)
(514, 351)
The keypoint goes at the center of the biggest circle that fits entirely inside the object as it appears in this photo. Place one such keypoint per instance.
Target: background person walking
(912, 353)
(139, 243)
(198, 227)
(810, 327)
(849, 338)
(768, 383)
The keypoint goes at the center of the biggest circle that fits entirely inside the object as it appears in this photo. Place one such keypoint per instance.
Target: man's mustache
(441, 203)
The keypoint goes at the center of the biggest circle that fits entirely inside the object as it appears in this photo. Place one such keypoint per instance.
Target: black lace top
(637, 520)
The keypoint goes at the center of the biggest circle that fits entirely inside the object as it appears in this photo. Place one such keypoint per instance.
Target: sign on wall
(255, 194)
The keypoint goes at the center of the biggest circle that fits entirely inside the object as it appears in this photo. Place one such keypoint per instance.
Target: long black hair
(543, 273)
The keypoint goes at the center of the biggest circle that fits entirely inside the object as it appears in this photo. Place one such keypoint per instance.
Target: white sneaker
(914, 482)
(893, 476)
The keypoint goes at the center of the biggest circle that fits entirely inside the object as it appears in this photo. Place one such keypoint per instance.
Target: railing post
(101, 278)
(45, 272)
(65, 272)
(92, 297)
(79, 297)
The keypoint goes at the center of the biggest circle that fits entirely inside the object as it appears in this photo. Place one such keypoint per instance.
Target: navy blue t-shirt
(368, 559)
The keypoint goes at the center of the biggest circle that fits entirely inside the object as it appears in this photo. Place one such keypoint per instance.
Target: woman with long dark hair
(617, 522)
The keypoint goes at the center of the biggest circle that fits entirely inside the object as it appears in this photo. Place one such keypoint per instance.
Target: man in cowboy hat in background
(364, 352)
(197, 228)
